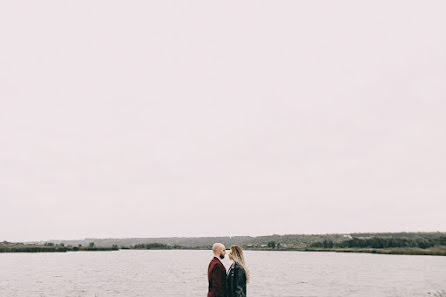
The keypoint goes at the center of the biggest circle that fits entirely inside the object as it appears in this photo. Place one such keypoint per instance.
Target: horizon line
(230, 236)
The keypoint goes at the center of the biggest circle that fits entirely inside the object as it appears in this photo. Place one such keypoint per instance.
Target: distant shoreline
(50, 249)
(436, 251)
(400, 243)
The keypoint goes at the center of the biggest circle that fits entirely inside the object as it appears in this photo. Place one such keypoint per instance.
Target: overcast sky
(206, 118)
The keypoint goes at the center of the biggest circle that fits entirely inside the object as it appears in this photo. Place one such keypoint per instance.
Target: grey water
(150, 273)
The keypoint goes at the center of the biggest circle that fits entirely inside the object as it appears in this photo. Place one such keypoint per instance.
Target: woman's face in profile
(230, 254)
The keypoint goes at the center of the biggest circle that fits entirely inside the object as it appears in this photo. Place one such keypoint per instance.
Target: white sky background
(205, 118)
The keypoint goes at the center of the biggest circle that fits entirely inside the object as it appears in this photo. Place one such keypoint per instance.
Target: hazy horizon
(150, 119)
(210, 236)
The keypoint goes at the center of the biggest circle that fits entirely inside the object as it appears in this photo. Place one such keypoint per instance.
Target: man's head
(219, 250)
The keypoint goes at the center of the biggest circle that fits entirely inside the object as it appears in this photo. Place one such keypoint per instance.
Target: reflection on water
(184, 273)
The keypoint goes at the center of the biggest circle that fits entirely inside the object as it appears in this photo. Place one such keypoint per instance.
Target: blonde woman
(238, 274)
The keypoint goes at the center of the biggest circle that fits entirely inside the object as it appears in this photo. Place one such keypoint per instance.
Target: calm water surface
(184, 273)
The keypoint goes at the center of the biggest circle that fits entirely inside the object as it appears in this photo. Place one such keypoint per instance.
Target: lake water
(176, 273)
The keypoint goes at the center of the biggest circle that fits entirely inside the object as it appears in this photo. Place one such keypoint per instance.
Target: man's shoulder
(215, 260)
(216, 263)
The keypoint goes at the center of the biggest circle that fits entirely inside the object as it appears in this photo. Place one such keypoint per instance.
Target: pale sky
(206, 118)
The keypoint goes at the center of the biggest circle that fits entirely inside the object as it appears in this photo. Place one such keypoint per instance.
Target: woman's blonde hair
(237, 256)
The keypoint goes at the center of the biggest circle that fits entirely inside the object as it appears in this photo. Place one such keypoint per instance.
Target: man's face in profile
(222, 252)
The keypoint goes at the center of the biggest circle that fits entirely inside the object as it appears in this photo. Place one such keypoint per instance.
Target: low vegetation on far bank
(415, 245)
(434, 251)
(11, 247)
(408, 243)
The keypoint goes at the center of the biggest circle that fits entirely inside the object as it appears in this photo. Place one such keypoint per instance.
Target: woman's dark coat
(236, 281)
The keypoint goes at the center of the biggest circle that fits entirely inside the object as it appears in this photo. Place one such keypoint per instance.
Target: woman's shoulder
(238, 267)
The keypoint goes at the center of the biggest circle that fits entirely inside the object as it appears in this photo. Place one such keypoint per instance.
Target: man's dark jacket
(236, 282)
(217, 278)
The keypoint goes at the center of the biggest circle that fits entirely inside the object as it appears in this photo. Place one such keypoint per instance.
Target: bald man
(217, 272)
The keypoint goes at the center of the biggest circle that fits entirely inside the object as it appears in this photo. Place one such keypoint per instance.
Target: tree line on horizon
(271, 242)
(48, 247)
(382, 242)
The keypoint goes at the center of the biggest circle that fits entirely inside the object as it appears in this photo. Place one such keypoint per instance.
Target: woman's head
(236, 255)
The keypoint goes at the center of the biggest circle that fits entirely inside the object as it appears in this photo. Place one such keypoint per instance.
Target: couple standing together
(233, 283)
